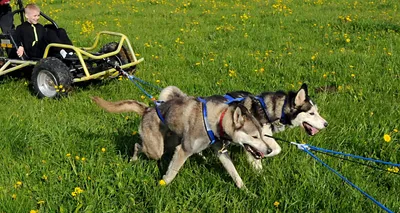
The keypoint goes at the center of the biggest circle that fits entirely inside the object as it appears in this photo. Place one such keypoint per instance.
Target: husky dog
(192, 121)
(274, 111)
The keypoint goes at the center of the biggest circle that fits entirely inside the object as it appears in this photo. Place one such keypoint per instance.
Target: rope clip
(301, 146)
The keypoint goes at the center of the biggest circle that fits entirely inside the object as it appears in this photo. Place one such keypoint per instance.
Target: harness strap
(283, 119)
(264, 107)
(210, 133)
(231, 99)
(157, 104)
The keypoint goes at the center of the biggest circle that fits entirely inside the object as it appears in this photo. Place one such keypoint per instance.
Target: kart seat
(7, 22)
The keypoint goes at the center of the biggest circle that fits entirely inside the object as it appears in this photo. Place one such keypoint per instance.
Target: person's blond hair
(31, 6)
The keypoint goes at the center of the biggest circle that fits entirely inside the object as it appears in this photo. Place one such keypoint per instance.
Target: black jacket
(25, 37)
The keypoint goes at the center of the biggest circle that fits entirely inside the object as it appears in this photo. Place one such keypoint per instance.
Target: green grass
(53, 146)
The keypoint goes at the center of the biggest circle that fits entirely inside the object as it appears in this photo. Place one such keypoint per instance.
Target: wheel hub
(47, 83)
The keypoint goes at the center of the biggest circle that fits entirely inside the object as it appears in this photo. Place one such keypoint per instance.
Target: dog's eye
(311, 113)
(255, 137)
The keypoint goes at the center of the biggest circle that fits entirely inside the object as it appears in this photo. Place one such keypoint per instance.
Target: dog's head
(301, 111)
(247, 131)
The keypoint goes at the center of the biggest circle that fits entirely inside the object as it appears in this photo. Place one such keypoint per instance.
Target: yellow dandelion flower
(313, 57)
(162, 183)
(134, 133)
(348, 40)
(197, 63)
(158, 81)
(142, 97)
(40, 202)
(77, 157)
(387, 138)
(44, 177)
(340, 88)
(68, 155)
(19, 183)
(73, 194)
(103, 149)
(78, 190)
(276, 204)
(371, 114)
(396, 169)
(33, 211)
(353, 75)
(395, 130)
(14, 196)
(325, 75)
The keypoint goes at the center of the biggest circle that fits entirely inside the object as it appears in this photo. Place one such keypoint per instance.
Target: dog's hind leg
(137, 150)
(176, 163)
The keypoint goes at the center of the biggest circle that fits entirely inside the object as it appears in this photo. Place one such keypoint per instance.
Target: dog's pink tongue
(314, 130)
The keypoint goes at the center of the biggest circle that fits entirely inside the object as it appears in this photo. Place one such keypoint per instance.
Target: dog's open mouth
(310, 129)
(256, 154)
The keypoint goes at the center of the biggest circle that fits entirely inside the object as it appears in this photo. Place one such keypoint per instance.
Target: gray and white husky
(274, 111)
(182, 120)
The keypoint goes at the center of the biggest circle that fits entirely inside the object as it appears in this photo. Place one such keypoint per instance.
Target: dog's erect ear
(301, 95)
(248, 102)
(238, 118)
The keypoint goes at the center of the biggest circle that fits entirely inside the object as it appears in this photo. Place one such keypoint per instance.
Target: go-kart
(53, 76)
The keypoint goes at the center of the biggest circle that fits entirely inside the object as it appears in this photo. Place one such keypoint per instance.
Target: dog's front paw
(257, 165)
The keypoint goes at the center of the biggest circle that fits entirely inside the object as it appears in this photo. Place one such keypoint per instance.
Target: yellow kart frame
(81, 52)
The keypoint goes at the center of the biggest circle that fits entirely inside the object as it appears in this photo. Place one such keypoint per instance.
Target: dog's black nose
(326, 124)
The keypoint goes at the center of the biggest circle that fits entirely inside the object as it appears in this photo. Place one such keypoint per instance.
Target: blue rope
(134, 79)
(353, 156)
(306, 148)
(144, 82)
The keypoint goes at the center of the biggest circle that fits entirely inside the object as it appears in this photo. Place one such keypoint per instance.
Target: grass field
(68, 155)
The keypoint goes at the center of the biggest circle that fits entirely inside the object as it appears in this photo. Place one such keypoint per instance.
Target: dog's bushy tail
(171, 92)
(121, 106)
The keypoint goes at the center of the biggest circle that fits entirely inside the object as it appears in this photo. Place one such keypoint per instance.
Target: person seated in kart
(32, 37)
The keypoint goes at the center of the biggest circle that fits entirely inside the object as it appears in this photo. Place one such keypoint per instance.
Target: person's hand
(20, 51)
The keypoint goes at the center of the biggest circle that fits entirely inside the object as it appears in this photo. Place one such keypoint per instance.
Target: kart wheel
(123, 57)
(51, 78)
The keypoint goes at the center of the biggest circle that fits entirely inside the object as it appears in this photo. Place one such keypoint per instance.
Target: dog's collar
(210, 133)
(221, 127)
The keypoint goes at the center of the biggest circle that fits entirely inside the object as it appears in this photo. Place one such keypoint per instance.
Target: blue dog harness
(210, 133)
(158, 103)
(231, 99)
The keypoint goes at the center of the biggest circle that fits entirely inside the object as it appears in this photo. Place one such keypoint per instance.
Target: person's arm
(18, 41)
